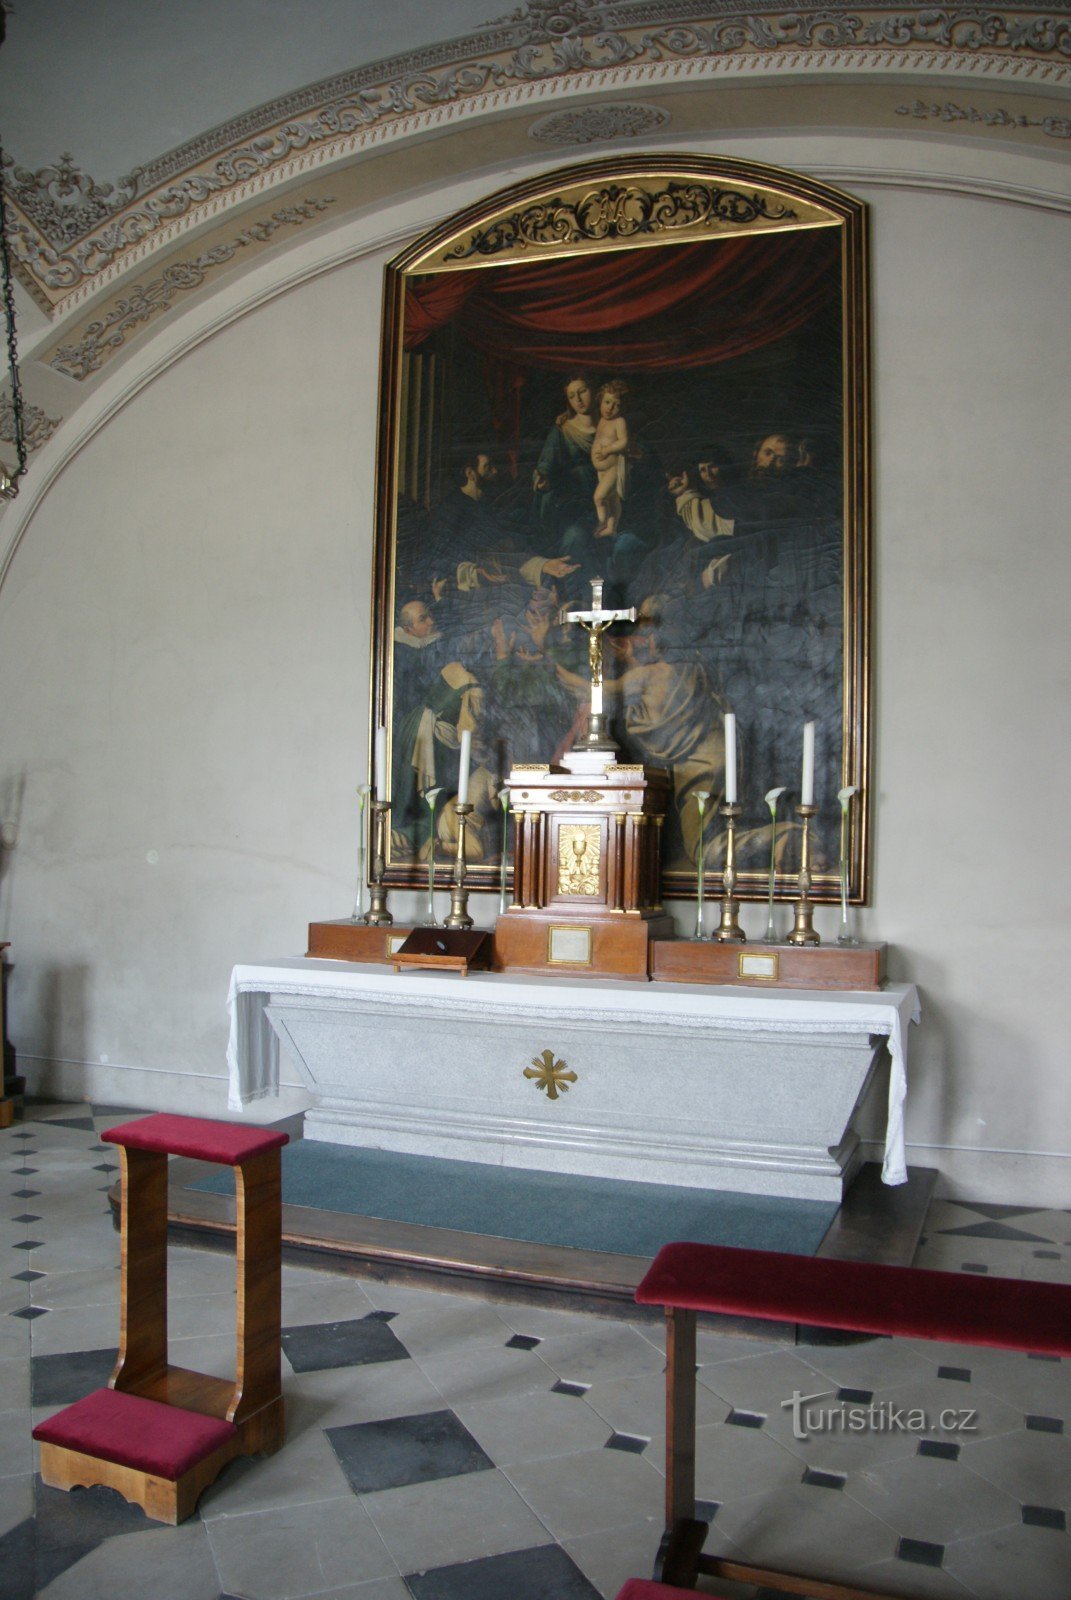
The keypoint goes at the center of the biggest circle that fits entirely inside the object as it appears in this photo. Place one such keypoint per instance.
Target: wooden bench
(860, 1296)
(160, 1434)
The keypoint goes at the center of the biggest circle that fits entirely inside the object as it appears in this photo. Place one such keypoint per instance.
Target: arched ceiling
(136, 175)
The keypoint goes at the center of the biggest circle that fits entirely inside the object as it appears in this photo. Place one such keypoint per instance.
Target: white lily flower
(773, 796)
(701, 798)
(844, 795)
(431, 795)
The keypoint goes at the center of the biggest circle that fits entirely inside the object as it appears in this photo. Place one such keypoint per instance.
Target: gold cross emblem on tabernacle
(550, 1075)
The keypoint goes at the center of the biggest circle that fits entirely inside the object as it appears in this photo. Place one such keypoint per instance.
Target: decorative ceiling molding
(37, 427)
(104, 336)
(73, 234)
(950, 112)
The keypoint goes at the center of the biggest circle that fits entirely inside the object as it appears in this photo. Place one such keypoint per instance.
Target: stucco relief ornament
(37, 427)
(596, 124)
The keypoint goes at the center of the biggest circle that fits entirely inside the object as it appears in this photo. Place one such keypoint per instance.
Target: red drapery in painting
(645, 310)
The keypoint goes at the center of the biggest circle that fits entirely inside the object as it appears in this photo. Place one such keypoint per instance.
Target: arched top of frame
(632, 202)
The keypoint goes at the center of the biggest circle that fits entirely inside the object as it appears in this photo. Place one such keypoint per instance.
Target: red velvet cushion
(144, 1434)
(644, 1589)
(226, 1142)
(1010, 1313)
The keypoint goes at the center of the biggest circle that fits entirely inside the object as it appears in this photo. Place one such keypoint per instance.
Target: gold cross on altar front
(595, 623)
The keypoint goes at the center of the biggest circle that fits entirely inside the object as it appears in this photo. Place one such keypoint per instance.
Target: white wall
(184, 660)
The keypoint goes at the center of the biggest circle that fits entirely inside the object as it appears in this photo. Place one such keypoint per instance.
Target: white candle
(463, 777)
(730, 758)
(381, 764)
(596, 699)
(807, 781)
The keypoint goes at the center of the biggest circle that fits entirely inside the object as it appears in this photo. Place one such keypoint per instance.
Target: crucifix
(595, 623)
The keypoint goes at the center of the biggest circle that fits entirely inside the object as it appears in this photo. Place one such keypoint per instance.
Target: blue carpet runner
(561, 1209)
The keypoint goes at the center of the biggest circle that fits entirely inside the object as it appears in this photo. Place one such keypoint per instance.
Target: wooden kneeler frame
(160, 1434)
(909, 1302)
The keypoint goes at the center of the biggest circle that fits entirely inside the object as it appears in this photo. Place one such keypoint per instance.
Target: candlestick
(359, 914)
(382, 792)
(503, 870)
(845, 798)
(730, 758)
(803, 929)
(431, 796)
(772, 797)
(459, 895)
(701, 798)
(378, 914)
(465, 760)
(807, 779)
(729, 930)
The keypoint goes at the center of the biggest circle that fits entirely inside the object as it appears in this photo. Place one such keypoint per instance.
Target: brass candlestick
(729, 930)
(803, 930)
(378, 915)
(459, 895)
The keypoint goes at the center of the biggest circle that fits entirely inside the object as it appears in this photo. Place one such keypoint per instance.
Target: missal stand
(587, 849)
(161, 1434)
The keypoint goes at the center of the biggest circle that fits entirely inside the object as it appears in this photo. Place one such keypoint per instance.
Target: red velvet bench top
(644, 1589)
(229, 1143)
(133, 1432)
(912, 1302)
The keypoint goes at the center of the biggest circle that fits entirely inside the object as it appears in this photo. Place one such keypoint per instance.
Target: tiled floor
(444, 1448)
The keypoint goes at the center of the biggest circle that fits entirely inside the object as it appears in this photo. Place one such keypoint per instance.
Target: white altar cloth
(253, 1047)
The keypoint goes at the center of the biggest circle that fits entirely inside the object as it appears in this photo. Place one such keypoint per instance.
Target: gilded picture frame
(652, 370)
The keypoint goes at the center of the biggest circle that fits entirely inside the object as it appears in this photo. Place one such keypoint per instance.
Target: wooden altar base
(874, 1223)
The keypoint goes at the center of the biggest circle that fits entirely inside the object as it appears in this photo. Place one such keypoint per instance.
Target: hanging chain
(11, 489)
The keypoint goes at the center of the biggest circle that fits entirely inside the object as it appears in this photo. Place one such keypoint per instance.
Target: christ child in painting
(609, 450)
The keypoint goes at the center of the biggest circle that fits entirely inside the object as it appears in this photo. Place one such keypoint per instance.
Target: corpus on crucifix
(595, 623)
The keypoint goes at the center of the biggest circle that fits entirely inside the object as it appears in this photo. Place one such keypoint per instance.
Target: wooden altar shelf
(344, 940)
(161, 1434)
(769, 966)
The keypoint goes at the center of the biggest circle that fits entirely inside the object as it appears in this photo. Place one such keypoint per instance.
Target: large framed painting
(652, 371)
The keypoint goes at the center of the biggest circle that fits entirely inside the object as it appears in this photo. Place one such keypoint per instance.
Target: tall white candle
(381, 764)
(807, 780)
(730, 758)
(463, 777)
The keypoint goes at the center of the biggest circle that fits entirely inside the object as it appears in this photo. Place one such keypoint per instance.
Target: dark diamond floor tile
(823, 1480)
(22, 1134)
(25, 1194)
(28, 1244)
(381, 1316)
(955, 1374)
(745, 1419)
(27, 1276)
(567, 1386)
(1045, 1517)
(631, 1443)
(522, 1341)
(25, 1172)
(66, 1528)
(30, 1313)
(317, 1346)
(420, 1449)
(82, 1124)
(993, 1230)
(974, 1266)
(1047, 1255)
(62, 1379)
(1045, 1424)
(522, 1575)
(994, 1209)
(939, 1448)
(1038, 1355)
(27, 1216)
(921, 1552)
(106, 1166)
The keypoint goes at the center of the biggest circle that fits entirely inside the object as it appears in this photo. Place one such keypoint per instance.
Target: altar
(709, 1087)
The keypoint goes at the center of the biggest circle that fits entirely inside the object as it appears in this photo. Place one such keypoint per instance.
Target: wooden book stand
(160, 1434)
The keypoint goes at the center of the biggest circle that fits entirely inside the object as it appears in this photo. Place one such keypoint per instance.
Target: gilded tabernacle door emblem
(579, 851)
(550, 1075)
